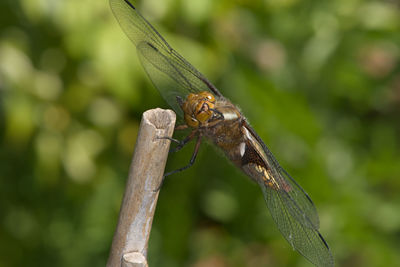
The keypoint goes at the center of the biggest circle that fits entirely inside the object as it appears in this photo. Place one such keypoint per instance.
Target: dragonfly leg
(170, 139)
(191, 162)
(181, 143)
(179, 127)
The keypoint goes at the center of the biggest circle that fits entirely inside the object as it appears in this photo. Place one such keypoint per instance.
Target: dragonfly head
(198, 108)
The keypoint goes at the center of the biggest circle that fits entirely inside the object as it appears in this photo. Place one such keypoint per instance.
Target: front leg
(181, 143)
(192, 159)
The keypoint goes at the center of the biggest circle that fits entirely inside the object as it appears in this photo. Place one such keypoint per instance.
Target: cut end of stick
(160, 118)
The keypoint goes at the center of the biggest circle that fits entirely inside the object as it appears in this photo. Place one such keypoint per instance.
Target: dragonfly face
(212, 116)
(198, 108)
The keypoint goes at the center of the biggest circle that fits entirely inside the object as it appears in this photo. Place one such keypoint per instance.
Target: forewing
(169, 80)
(178, 77)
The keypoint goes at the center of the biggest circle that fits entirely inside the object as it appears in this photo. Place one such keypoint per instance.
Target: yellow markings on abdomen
(268, 179)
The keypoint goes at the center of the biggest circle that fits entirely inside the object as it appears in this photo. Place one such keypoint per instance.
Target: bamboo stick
(130, 242)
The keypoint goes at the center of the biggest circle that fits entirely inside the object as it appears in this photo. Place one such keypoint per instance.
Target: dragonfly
(210, 115)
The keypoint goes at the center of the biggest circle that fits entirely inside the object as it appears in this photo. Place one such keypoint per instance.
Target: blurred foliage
(318, 80)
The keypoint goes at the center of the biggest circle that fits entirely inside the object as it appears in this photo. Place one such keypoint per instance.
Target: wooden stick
(129, 246)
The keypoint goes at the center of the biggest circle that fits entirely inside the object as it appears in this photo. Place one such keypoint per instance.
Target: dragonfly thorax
(198, 108)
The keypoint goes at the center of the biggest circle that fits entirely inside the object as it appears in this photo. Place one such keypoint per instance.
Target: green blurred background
(318, 80)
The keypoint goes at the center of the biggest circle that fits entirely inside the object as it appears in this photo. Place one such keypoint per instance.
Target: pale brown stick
(129, 246)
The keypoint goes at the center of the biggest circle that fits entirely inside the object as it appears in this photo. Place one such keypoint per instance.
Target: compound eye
(211, 98)
(208, 96)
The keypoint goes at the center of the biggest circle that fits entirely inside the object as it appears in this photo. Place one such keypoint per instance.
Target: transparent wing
(296, 200)
(170, 72)
(291, 208)
(308, 241)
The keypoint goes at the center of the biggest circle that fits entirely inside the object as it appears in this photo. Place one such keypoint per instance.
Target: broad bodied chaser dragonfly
(210, 115)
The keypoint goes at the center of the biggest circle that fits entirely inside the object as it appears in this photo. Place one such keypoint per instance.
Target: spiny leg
(181, 143)
(192, 159)
(177, 128)
(181, 127)
(191, 162)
